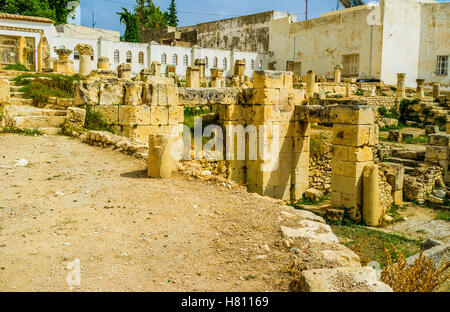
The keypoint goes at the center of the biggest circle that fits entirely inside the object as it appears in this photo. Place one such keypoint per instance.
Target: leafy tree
(150, 15)
(172, 15)
(132, 24)
(56, 10)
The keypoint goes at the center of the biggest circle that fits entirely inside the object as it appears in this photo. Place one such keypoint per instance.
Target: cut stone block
(311, 230)
(345, 279)
(76, 116)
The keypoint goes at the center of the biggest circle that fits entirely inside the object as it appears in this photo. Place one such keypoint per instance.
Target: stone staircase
(25, 115)
(49, 121)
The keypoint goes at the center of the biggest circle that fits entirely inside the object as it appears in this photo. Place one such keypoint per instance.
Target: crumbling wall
(133, 109)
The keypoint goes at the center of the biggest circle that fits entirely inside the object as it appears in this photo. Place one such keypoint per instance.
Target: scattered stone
(310, 230)
(395, 136)
(335, 214)
(440, 194)
(390, 122)
(431, 130)
(407, 135)
(76, 116)
(440, 254)
(388, 218)
(345, 279)
(435, 200)
(21, 163)
(313, 194)
(430, 243)
(301, 214)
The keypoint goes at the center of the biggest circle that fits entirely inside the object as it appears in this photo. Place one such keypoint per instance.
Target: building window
(215, 62)
(129, 57)
(225, 63)
(92, 55)
(260, 65)
(141, 57)
(175, 59)
(351, 65)
(252, 65)
(442, 65)
(163, 59)
(185, 60)
(206, 62)
(117, 56)
(76, 56)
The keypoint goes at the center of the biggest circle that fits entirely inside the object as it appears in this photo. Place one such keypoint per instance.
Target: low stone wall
(208, 96)
(385, 101)
(420, 182)
(134, 109)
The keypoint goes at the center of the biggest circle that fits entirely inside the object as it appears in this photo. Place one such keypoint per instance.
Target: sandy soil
(131, 233)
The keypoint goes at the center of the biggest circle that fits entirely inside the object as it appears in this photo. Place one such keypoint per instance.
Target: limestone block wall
(386, 101)
(354, 135)
(270, 103)
(438, 153)
(4, 91)
(134, 109)
(190, 97)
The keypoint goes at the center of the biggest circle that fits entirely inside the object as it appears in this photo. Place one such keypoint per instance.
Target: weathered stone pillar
(401, 87)
(5, 91)
(438, 152)
(420, 91)
(133, 91)
(348, 92)
(310, 84)
(354, 134)
(280, 167)
(103, 63)
(156, 68)
(201, 64)
(239, 69)
(193, 77)
(372, 210)
(85, 50)
(43, 55)
(63, 65)
(216, 77)
(161, 162)
(124, 71)
(436, 90)
(337, 73)
(22, 51)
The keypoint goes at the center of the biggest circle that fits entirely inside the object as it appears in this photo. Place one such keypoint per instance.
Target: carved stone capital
(84, 49)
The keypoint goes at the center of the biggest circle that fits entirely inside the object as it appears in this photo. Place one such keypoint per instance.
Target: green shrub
(26, 131)
(17, 67)
(359, 92)
(317, 145)
(45, 86)
(95, 121)
(406, 111)
(417, 140)
(191, 112)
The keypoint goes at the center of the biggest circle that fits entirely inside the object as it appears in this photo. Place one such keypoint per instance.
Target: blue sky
(191, 12)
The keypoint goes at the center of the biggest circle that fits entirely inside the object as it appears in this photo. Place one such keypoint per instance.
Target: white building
(106, 43)
(374, 41)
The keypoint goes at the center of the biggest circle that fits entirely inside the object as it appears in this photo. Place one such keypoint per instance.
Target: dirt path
(130, 233)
